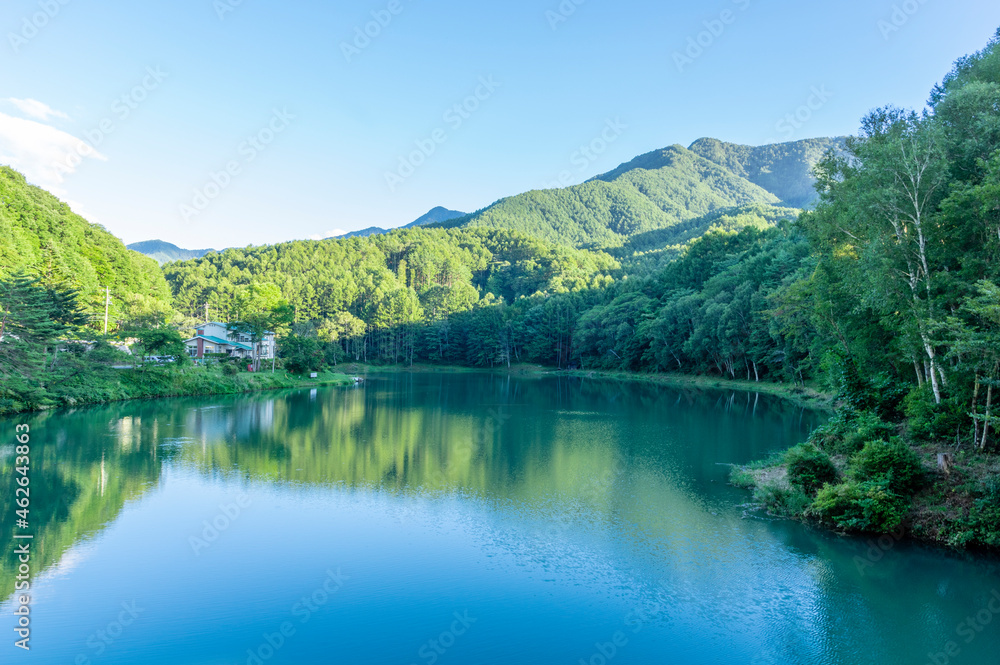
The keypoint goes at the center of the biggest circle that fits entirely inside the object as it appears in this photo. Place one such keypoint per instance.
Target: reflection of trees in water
(509, 438)
(85, 465)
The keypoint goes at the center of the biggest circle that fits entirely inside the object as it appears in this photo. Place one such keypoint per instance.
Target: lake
(465, 519)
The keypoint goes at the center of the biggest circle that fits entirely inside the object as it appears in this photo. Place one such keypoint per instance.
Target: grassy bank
(153, 382)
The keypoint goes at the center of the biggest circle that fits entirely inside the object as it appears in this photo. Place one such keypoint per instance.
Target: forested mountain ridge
(678, 186)
(165, 252)
(393, 278)
(40, 235)
(784, 169)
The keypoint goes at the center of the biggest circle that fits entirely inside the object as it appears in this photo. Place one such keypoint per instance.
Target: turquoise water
(458, 519)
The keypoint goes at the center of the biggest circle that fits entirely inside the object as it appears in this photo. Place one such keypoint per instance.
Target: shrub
(881, 393)
(933, 422)
(809, 468)
(849, 430)
(783, 501)
(893, 463)
(741, 477)
(869, 506)
(981, 525)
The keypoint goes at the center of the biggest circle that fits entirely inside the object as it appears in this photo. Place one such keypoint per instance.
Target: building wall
(220, 330)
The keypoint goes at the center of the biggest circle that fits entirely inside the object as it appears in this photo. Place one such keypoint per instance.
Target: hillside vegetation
(656, 191)
(40, 235)
(393, 278)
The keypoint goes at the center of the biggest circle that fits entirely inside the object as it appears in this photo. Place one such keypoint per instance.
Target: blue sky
(309, 130)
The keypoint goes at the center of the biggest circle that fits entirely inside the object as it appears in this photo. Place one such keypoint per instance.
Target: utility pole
(107, 306)
(206, 313)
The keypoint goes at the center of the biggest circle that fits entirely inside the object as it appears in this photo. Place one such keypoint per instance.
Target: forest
(885, 291)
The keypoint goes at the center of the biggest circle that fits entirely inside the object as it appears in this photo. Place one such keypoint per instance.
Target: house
(214, 337)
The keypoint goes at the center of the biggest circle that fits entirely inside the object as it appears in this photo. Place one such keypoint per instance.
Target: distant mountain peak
(165, 252)
(670, 188)
(433, 216)
(436, 215)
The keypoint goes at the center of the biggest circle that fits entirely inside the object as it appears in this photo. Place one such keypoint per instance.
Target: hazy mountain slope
(165, 252)
(655, 191)
(784, 169)
(436, 215)
(363, 233)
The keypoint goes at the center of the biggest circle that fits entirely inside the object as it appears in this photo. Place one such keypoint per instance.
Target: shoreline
(802, 396)
(939, 514)
(187, 383)
(215, 382)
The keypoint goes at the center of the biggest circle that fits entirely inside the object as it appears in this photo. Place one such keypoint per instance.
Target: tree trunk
(989, 405)
(932, 358)
(975, 415)
(986, 421)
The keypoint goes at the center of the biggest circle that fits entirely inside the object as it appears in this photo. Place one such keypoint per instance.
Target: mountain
(165, 252)
(784, 169)
(654, 191)
(664, 189)
(434, 216)
(39, 234)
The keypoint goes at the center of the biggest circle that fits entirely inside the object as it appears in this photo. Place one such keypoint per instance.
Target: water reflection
(514, 439)
(579, 505)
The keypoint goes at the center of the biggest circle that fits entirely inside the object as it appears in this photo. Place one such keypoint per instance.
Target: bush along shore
(860, 474)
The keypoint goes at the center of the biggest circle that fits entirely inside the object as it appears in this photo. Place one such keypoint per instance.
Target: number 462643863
(21, 464)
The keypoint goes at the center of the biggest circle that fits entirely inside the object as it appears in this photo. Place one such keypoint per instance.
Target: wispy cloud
(44, 154)
(333, 233)
(36, 109)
